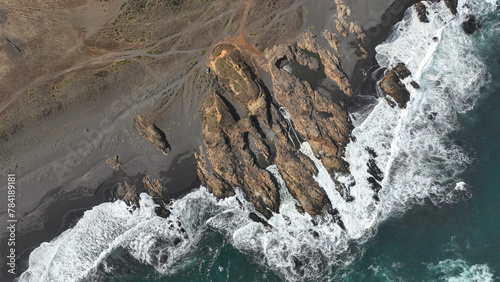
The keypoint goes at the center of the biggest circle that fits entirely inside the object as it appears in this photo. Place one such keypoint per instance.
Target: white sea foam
(413, 153)
(458, 270)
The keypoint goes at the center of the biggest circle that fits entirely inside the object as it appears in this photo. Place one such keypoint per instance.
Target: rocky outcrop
(332, 39)
(402, 71)
(151, 132)
(331, 62)
(452, 5)
(308, 42)
(391, 85)
(297, 171)
(316, 116)
(155, 188)
(234, 145)
(343, 12)
(306, 60)
(159, 193)
(471, 24)
(421, 12)
(128, 194)
(114, 162)
(239, 144)
(230, 159)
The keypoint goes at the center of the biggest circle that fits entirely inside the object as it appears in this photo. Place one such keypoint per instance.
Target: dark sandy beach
(60, 175)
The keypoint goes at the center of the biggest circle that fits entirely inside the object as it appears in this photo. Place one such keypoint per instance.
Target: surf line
(11, 223)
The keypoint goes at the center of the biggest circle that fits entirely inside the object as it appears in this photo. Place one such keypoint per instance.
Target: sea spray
(414, 153)
(458, 270)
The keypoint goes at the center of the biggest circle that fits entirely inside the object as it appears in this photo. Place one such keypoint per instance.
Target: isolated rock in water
(422, 12)
(128, 194)
(151, 132)
(470, 25)
(308, 42)
(415, 85)
(331, 62)
(391, 85)
(452, 5)
(161, 211)
(402, 71)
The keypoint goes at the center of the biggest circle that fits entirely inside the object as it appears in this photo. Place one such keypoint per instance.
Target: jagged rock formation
(245, 130)
(332, 63)
(159, 193)
(332, 39)
(114, 162)
(342, 24)
(391, 84)
(316, 116)
(155, 188)
(128, 193)
(452, 5)
(471, 24)
(234, 145)
(151, 132)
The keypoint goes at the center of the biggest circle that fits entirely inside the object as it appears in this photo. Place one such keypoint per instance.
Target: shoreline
(64, 213)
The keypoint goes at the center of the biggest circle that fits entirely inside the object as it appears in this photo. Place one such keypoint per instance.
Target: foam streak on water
(458, 270)
(417, 160)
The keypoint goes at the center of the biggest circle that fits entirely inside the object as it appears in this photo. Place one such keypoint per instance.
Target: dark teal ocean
(457, 239)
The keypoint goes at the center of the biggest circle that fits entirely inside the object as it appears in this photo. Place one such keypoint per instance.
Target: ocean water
(437, 216)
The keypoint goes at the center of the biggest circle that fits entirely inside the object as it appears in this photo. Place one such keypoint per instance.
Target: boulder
(392, 86)
(452, 5)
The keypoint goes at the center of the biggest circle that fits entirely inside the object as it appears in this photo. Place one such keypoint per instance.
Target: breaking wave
(458, 270)
(411, 147)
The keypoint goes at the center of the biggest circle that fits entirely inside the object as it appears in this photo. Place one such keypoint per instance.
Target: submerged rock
(471, 24)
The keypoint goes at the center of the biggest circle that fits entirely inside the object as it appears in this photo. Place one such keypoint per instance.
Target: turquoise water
(453, 240)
